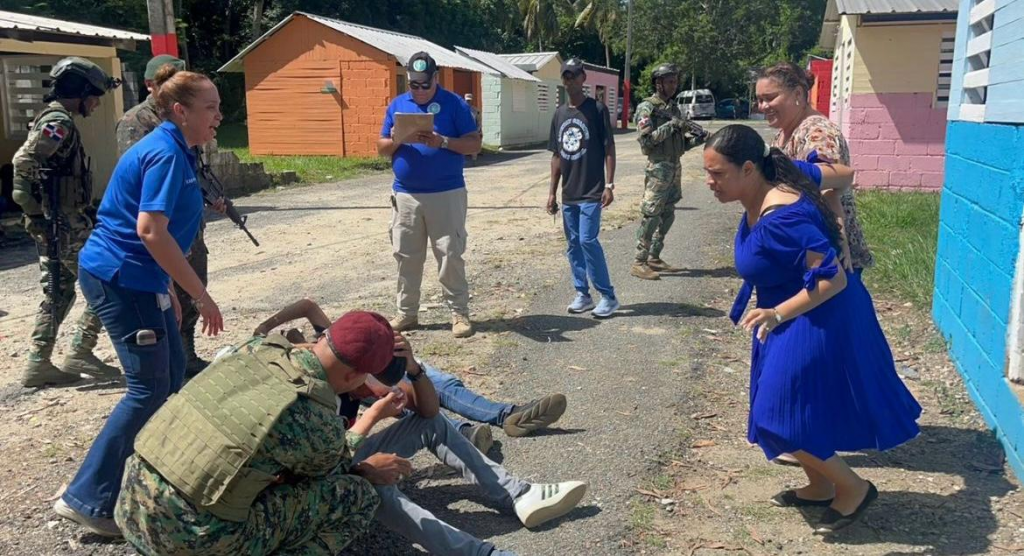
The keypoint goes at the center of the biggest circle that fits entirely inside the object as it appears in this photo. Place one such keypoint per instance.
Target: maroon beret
(363, 341)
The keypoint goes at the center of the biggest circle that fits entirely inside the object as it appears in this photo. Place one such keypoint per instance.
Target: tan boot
(644, 272)
(461, 326)
(659, 265)
(402, 323)
(40, 372)
(86, 362)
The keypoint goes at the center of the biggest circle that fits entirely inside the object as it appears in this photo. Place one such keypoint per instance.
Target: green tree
(540, 20)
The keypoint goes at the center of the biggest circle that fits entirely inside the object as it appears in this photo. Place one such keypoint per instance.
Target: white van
(697, 104)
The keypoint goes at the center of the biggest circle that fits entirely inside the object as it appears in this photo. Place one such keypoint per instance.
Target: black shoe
(789, 499)
(194, 366)
(833, 521)
(535, 415)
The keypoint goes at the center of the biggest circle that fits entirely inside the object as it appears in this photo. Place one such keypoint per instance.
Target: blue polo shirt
(419, 168)
(157, 174)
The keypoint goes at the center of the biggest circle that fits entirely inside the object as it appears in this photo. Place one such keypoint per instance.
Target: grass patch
(641, 519)
(441, 349)
(663, 482)
(902, 230)
(310, 169)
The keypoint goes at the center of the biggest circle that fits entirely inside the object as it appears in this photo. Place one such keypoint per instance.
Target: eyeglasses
(420, 85)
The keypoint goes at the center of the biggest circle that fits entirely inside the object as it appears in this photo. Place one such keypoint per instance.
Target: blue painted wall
(979, 231)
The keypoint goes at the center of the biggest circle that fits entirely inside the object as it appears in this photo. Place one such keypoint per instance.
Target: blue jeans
(582, 223)
(153, 373)
(455, 397)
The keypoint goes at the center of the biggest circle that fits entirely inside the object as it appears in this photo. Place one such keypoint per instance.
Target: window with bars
(945, 69)
(25, 80)
(976, 60)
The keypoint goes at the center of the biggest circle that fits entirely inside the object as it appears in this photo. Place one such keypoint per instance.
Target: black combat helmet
(662, 71)
(75, 77)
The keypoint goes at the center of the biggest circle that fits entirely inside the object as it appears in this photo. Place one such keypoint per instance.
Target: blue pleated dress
(824, 382)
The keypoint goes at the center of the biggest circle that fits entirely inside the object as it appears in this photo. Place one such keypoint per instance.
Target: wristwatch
(444, 142)
(610, 186)
(414, 377)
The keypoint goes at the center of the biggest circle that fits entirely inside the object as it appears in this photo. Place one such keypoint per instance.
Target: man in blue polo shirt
(429, 197)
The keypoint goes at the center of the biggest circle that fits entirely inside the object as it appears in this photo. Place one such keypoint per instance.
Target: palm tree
(601, 16)
(539, 20)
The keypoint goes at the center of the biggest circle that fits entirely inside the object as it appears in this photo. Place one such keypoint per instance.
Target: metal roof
(531, 61)
(497, 63)
(838, 8)
(12, 20)
(896, 6)
(399, 45)
(601, 69)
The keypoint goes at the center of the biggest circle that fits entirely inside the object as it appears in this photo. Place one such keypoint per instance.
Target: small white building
(517, 107)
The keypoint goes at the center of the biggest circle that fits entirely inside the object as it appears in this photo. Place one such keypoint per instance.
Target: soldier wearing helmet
(54, 148)
(661, 131)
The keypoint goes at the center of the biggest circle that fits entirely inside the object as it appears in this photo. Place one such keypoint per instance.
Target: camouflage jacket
(54, 144)
(659, 139)
(136, 124)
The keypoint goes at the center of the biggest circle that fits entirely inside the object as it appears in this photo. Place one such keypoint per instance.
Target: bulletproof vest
(69, 167)
(672, 148)
(202, 440)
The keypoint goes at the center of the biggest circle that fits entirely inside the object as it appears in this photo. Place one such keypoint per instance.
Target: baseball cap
(157, 62)
(421, 67)
(365, 341)
(573, 66)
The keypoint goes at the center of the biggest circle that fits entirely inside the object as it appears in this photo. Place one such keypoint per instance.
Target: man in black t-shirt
(583, 149)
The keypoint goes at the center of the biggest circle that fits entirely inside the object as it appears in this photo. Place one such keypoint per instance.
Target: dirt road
(656, 395)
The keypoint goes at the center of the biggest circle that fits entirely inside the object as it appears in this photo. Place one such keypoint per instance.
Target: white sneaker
(102, 526)
(544, 502)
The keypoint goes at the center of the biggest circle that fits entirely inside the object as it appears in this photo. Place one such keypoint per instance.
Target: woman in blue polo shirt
(147, 220)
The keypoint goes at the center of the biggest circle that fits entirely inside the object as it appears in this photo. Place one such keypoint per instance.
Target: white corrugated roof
(399, 45)
(531, 61)
(896, 6)
(497, 63)
(12, 20)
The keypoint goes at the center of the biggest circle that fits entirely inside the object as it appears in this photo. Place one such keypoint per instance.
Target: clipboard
(408, 125)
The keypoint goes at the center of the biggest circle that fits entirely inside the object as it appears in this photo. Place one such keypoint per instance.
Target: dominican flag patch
(54, 131)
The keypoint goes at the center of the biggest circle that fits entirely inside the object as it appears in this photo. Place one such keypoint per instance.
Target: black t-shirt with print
(581, 136)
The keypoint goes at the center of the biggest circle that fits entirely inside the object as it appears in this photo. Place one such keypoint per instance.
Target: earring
(798, 103)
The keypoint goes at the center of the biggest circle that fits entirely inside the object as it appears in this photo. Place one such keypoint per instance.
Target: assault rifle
(698, 133)
(213, 190)
(53, 226)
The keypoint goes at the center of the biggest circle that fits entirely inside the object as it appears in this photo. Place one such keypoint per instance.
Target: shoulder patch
(55, 131)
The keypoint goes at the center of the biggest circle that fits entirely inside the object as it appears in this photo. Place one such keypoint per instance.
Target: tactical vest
(202, 440)
(674, 146)
(71, 172)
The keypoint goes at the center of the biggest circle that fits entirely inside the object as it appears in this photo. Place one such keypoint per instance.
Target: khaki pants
(441, 218)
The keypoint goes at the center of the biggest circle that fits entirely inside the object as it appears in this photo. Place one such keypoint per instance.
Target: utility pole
(163, 38)
(627, 86)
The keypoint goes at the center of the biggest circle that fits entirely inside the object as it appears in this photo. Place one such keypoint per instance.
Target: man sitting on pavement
(515, 419)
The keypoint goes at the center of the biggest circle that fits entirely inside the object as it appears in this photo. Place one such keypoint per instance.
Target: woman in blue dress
(822, 375)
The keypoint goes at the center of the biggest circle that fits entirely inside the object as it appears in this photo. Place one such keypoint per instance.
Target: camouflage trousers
(662, 190)
(44, 333)
(198, 258)
(315, 517)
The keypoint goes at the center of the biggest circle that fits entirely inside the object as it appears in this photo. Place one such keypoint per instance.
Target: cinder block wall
(979, 242)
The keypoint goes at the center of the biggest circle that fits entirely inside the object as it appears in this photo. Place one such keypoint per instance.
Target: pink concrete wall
(897, 140)
(609, 81)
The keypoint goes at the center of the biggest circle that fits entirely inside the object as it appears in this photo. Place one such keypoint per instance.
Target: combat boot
(659, 265)
(40, 373)
(462, 327)
(85, 362)
(402, 323)
(644, 272)
(193, 363)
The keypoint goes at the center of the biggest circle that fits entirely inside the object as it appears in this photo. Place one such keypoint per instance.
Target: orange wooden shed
(320, 86)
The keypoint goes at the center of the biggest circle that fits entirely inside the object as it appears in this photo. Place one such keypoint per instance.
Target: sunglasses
(420, 85)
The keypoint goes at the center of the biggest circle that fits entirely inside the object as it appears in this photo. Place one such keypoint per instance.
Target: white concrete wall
(511, 114)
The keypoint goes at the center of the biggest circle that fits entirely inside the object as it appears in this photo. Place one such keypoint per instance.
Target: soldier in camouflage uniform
(294, 489)
(133, 126)
(662, 134)
(54, 146)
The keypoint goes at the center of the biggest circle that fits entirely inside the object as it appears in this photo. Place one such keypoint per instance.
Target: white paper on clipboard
(408, 125)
